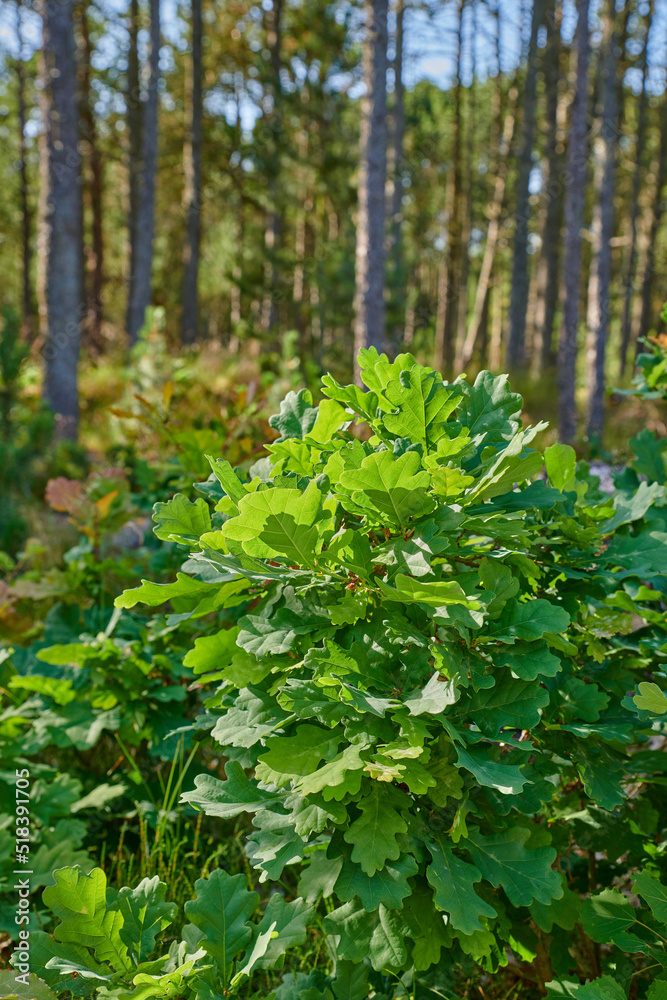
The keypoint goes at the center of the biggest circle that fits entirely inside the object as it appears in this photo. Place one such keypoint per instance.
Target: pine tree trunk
(605, 165)
(656, 212)
(468, 200)
(549, 268)
(192, 189)
(629, 277)
(93, 188)
(273, 230)
(63, 218)
(450, 273)
(134, 131)
(141, 250)
(395, 235)
(369, 325)
(574, 211)
(493, 232)
(27, 318)
(516, 344)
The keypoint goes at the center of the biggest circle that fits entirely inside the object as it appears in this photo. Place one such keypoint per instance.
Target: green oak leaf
(220, 909)
(252, 717)
(507, 778)
(34, 989)
(513, 704)
(439, 593)
(387, 488)
(434, 698)
(351, 981)
(297, 415)
(373, 834)
(529, 620)
(212, 652)
(422, 404)
(454, 881)
(79, 900)
(388, 886)
(274, 844)
(650, 698)
(561, 463)
(633, 508)
(298, 755)
(426, 928)
(528, 660)
(289, 923)
(278, 522)
(607, 916)
(145, 915)
(488, 409)
(651, 889)
(524, 873)
(380, 936)
(231, 797)
(154, 594)
(338, 776)
(181, 520)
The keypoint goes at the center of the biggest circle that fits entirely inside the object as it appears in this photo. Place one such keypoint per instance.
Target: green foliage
(441, 694)
(114, 940)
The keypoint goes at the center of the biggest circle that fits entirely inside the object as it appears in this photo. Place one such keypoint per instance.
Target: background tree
(577, 162)
(516, 344)
(369, 324)
(192, 190)
(63, 217)
(142, 227)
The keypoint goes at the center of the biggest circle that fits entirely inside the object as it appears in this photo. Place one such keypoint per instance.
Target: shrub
(438, 704)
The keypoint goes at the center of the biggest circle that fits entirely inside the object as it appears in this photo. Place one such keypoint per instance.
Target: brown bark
(629, 277)
(369, 324)
(605, 165)
(574, 210)
(63, 217)
(192, 188)
(142, 224)
(516, 344)
(450, 271)
(27, 318)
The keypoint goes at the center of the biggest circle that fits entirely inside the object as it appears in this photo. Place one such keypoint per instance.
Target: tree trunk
(450, 272)
(495, 208)
(93, 186)
(516, 344)
(63, 218)
(467, 200)
(273, 230)
(574, 211)
(656, 212)
(134, 131)
(605, 165)
(192, 189)
(629, 277)
(548, 277)
(141, 248)
(395, 235)
(27, 324)
(369, 326)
